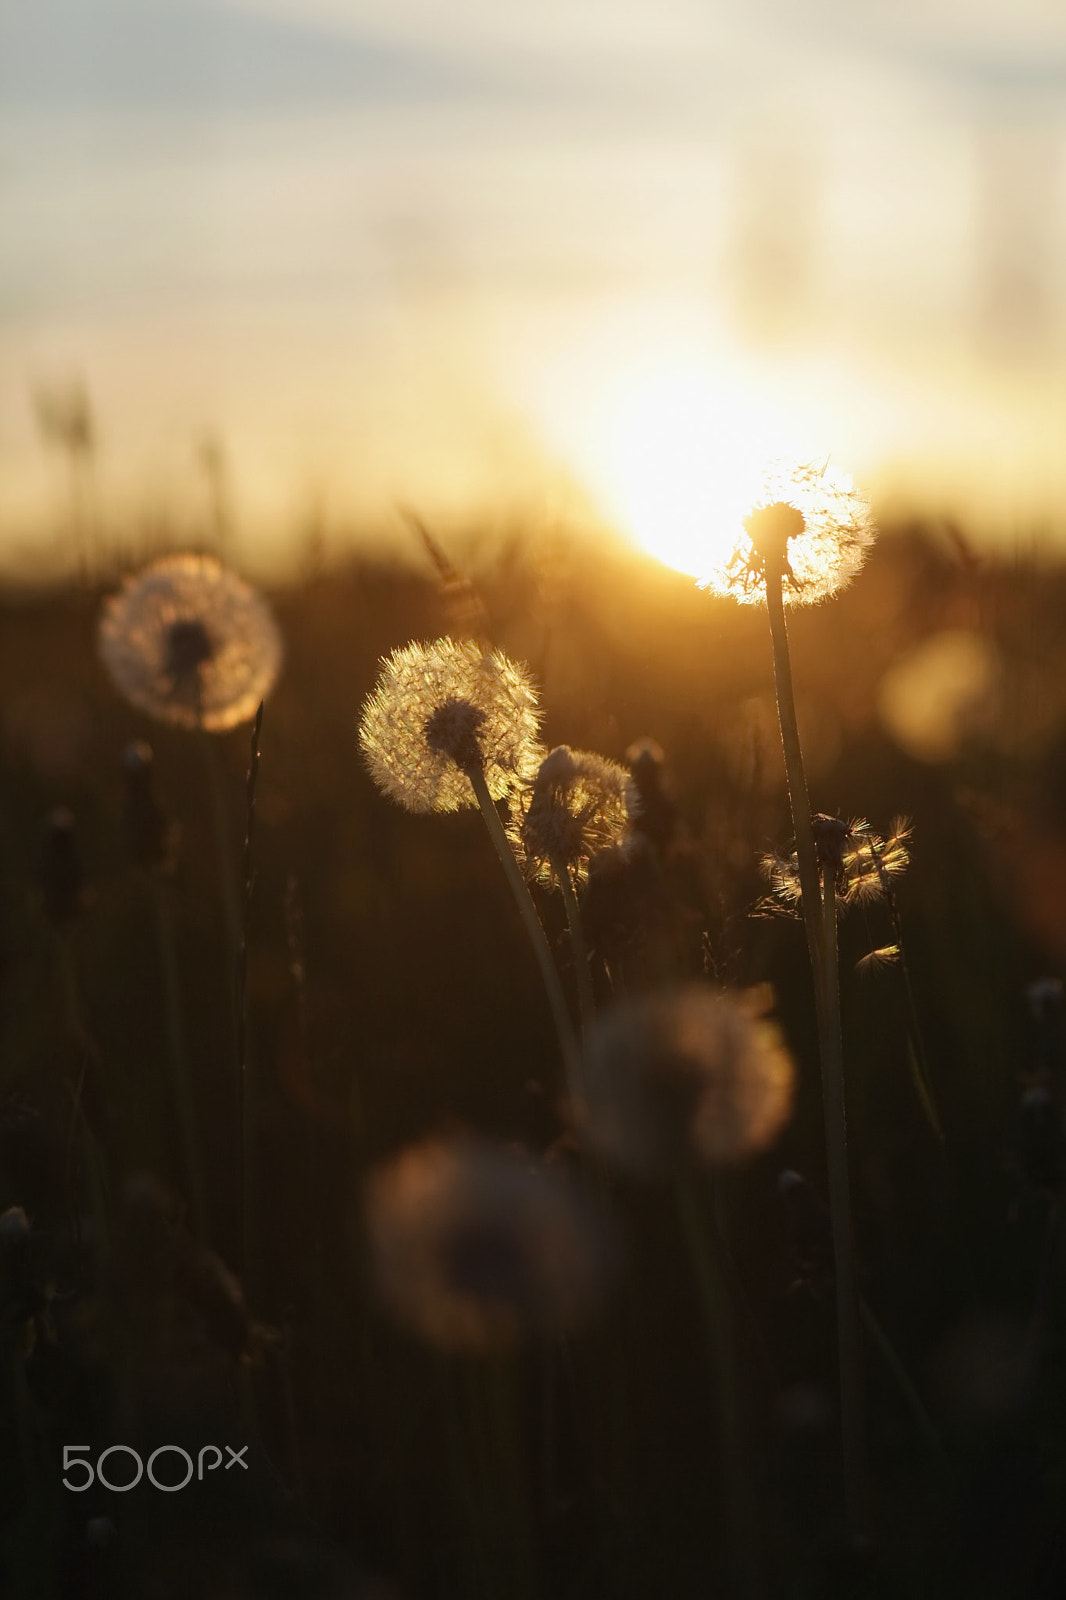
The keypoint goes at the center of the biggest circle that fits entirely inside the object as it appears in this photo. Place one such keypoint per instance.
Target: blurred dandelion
(474, 1244)
(684, 1072)
(190, 643)
(578, 804)
(440, 713)
(809, 528)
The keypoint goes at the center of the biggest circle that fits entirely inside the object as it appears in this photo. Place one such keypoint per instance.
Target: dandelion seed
(191, 643)
(886, 955)
(865, 866)
(442, 710)
(809, 528)
(684, 1073)
(473, 1244)
(577, 805)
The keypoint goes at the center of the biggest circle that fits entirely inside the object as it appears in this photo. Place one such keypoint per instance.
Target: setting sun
(683, 458)
(673, 446)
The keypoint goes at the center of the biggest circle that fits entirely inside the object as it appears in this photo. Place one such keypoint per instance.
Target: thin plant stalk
(911, 1397)
(738, 1492)
(177, 1056)
(79, 1132)
(919, 1062)
(819, 916)
(221, 826)
(578, 947)
(795, 778)
(245, 1066)
(528, 911)
(849, 1347)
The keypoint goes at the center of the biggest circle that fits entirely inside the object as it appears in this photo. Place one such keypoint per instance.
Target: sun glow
(683, 458)
(674, 448)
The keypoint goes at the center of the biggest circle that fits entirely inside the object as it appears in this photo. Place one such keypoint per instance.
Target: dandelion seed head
(682, 1074)
(809, 526)
(578, 804)
(443, 709)
(864, 865)
(190, 643)
(473, 1244)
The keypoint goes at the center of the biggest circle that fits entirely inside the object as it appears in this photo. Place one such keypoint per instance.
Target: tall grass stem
(177, 1055)
(796, 780)
(245, 1065)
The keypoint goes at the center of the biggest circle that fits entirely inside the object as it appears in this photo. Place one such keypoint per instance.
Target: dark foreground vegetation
(387, 994)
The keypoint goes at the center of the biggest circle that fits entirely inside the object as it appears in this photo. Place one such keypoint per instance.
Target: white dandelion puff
(578, 804)
(190, 643)
(442, 710)
(685, 1073)
(474, 1244)
(809, 527)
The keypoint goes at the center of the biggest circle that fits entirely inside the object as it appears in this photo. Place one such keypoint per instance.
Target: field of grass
(365, 973)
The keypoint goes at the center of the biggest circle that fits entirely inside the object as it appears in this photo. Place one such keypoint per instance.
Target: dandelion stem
(245, 1076)
(578, 947)
(528, 912)
(79, 1131)
(795, 776)
(849, 1349)
(220, 822)
(820, 921)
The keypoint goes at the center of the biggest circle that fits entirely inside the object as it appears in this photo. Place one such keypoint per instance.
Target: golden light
(681, 461)
(668, 429)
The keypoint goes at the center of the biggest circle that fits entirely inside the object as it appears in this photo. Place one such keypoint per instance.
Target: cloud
(203, 52)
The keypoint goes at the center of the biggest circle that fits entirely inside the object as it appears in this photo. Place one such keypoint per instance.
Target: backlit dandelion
(453, 724)
(443, 711)
(810, 528)
(190, 643)
(473, 1244)
(683, 1073)
(578, 804)
(864, 865)
(804, 540)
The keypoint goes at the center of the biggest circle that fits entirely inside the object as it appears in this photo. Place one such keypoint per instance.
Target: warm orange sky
(487, 256)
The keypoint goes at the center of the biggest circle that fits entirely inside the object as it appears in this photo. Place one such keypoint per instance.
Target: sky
(569, 257)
